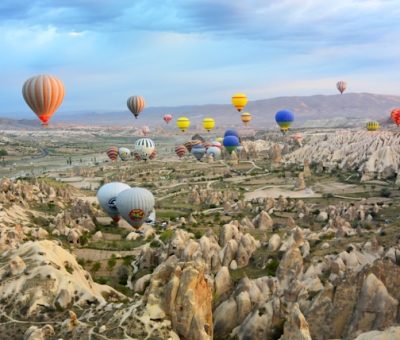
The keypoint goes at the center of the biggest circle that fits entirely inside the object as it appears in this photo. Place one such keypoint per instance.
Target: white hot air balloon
(215, 151)
(135, 205)
(144, 147)
(107, 195)
(124, 153)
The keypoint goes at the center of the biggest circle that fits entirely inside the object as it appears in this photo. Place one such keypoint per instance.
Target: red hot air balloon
(153, 155)
(395, 115)
(341, 86)
(137, 156)
(136, 105)
(112, 153)
(43, 94)
(181, 150)
(167, 118)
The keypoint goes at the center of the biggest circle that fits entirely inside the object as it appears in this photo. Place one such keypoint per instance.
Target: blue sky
(178, 52)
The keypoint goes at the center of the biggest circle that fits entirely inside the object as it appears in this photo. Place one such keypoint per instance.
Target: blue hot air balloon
(231, 143)
(231, 132)
(284, 119)
(198, 151)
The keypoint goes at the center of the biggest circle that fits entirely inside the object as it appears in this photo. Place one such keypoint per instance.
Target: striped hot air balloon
(373, 126)
(239, 101)
(153, 155)
(188, 145)
(136, 105)
(395, 115)
(341, 86)
(167, 118)
(181, 150)
(112, 153)
(246, 117)
(145, 147)
(43, 94)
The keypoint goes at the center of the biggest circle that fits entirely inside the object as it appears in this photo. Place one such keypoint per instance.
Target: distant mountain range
(332, 110)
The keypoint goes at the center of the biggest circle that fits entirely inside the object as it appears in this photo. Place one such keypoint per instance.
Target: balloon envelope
(135, 205)
(231, 132)
(124, 153)
(43, 94)
(215, 151)
(107, 195)
(198, 151)
(395, 115)
(284, 119)
(239, 101)
(341, 86)
(136, 105)
(167, 118)
(246, 117)
(373, 126)
(183, 123)
(112, 153)
(181, 150)
(231, 143)
(208, 124)
(144, 147)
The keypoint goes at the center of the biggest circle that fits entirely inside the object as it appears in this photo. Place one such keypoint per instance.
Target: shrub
(385, 192)
(122, 274)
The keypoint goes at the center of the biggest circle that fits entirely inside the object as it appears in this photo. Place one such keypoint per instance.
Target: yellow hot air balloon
(219, 139)
(373, 126)
(208, 124)
(246, 117)
(239, 100)
(183, 123)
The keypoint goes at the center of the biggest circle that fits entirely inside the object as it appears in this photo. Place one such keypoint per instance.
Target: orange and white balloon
(44, 95)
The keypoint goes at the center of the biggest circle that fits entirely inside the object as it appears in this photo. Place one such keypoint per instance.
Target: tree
(96, 267)
(3, 152)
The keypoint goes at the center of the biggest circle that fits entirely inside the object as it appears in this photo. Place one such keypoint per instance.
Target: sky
(180, 52)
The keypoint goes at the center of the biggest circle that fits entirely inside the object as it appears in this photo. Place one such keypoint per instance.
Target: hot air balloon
(137, 156)
(231, 143)
(284, 119)
(167, 118)
(298, 138)
(124, 153)
(144, 147)
(373, 126)
(153, 155)
(219, 139)
(246, 117)
(183, 123)
(197, 142)
(215, 151)
(135, 205)
(239, 101)
(198, 151)
(112, 153)
(395, 115)
(208, 124)
(43, 94)
(341, 86)
(107, 195)
(188, 145)
(136, 105)
(231, 132)
(145, 130)
(217, 144)
(181, 150)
